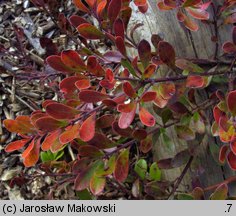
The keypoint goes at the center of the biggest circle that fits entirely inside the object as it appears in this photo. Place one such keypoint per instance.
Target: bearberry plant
(114, 104)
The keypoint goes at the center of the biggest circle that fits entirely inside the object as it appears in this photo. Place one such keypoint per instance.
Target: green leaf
(82, 181)
(184, 196)
(166, 140)
(107, 168)
(155, 172)
(49, 156)
(126, 64)
(97, 184)
(84, 195)
(185, 132)
(220, 193)
(141, 168)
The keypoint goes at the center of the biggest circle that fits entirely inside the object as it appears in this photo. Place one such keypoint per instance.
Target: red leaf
(122, 166)
(217, 114)
(231, 98)
(170, 3)
(126, 119)
(13, 146)
(77, 20)
(50, 139)
(56, 63)
(67, 85)
(127, 132)
(139, 134)
(51, 124)
(148, 96)
(109, 75)
(106, 84)
(101, 141)
(105, 121)
(146, 118)
(81, 6)
(70, 134)
(90, 151)
(233, 146)
(144, 51)
(109, 103)
(178, 107)
(166, 53)
(140, 2)
(128, 89)
(195, 82)
(87, 129)
(114, 9)
(126, 108)
(90, 96)
(231, 157)
(121, 45)
(146, 145)
(94, 67)
(223, 153)
(89, 31)
(119, 28)
(61, 111)
(72, 60)
(83, 84)
(229, 47)
(143, 9)
(31, 156)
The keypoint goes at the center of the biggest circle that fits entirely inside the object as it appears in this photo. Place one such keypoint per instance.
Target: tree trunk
(187, 45)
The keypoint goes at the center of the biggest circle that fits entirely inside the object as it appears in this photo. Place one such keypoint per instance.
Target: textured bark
(191, 45)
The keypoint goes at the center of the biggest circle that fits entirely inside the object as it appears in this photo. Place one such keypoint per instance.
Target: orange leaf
(72, 59)
(81, 6)
(195, 82)
(83, 84)
(31, 154)
(13, 146)
(87, 129)
(146, 118)
(50, 139)
(70, 134)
